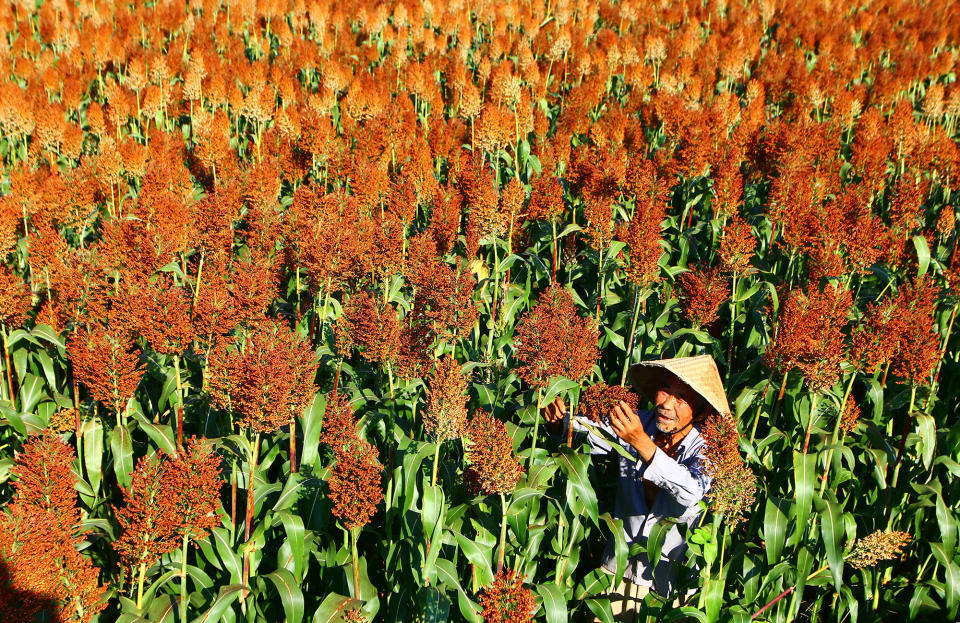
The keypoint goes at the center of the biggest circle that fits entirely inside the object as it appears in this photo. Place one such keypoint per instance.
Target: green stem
(183, 578)
(176, 368)
(836, 429)
(733, 322)
(903, 438)
(436, 462)
(501, 553)
(196, 289)
(8, 366)
(633, 330)
(756, 418)
(536, 426)
(143, 571)
(493, 302)
(813, 413)
(354, 536)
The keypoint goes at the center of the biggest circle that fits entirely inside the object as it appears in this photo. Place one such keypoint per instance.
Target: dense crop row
(283, 285)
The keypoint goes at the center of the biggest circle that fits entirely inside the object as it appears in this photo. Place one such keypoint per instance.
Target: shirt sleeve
(685, 481)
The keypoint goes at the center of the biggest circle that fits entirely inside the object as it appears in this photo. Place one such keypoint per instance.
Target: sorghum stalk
(536, 425)
(176, 368)
(493, 302)
(196, 288)
(903, 437)
(633, 329)
(143, 571)
(787, 592)
(756, 418)
(233, 499)
(6, 355)
(836, 429)
(293, 445)
(436, 462)
(553, 227)
(183, 577)
(943, 350)
(254, 455)
(501, 553)
(813, 413)
(354, 535)
(733, 323)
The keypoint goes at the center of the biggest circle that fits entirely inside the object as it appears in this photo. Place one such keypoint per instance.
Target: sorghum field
(283, 283)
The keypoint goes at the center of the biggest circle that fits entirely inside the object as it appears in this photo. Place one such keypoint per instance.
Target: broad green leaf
(832, 530)
(575, 466)
(121, 446)
(928, 437)
(554, 603)
(332, 608)
(619, 544)
(293, 529)
(557, 385)
(434, 605)
(804, 477)
(478, 557)
(923, 254)
(592, 584)
(775, 528)
(600, 608)
(92, 433)
(47, 334)
(225, 598)
(290, 594)
(31, 392)
(160, 434)
(657, 535)
(312, 424)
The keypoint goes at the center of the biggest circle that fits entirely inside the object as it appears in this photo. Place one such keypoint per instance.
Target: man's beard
(668, 427)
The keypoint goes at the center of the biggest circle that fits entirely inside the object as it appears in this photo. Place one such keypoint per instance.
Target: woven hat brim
(699, 372)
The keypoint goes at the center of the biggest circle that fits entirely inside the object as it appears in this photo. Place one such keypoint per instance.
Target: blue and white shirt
(683, 482)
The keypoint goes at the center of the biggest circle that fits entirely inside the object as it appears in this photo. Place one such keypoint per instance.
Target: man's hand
(553, 414)
(627, 425)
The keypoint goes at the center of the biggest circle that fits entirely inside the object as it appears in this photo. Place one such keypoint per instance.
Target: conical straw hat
(699, 372)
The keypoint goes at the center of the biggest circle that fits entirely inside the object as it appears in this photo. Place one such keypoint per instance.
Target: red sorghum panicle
(107, 363)
(919, 346)
(850, 416)
(506, 600)
(40, 567)
(355, 483)
(734, 486)
(878, 546)
(369, 327)
(170, 496)
(148, 518)
(15, 299)
(554, 340)
(737, 245)
(493, 466)
(267, 381)
(703, 291)
(338, 424)
(809, 335)
(546, 198)
(446, 414)
(599, 399)
(354, 615)
(192, 479)
(642, 235)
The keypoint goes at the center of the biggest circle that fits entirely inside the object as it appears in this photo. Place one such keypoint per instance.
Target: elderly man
(666, 477)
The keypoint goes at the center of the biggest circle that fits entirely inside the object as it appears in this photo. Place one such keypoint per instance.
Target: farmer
(667, 480)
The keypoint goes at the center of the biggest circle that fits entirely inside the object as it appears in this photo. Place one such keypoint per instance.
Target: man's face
(675, 402)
